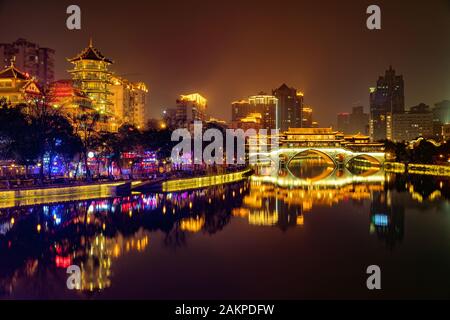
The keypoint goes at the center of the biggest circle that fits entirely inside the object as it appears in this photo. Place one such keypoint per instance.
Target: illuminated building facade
(267, 105)
(290, 105)
(62, 94)
(16, 86)
(129, 100)
(90, 74)
(190, 108)
(327, 138)
(418, 122)
(30, 58)
(241, 109)
(386, 99)
(307, 117)
(264, 104)
(251, 121)
(312, 137)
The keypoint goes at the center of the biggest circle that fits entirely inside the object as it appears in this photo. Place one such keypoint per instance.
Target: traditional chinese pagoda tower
(90, 74)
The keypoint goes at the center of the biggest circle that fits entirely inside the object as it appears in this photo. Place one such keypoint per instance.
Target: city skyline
(207, 54)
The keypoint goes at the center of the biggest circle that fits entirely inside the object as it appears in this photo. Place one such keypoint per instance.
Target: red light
(63, 262)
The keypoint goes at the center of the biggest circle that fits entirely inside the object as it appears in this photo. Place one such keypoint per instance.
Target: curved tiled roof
(13, 72)
(90, 53)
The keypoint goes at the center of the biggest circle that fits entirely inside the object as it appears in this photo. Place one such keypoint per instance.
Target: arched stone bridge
(336, 156)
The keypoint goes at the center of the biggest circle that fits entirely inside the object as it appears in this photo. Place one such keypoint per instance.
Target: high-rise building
(251, 121)
(355, 122)
(386, 99)
(441, 116)
(418, 122)
(170, 118)
(241, 109)
(343, 122)
(90, 74)
(263, 104)
(290, 104)
(46, 69)
(307, 117)
(16, 86)
(30, 58)
(190, 108)
(129, 101)
(267, 106)
(359, 121)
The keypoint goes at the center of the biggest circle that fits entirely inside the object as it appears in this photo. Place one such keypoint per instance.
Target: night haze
(229, 50)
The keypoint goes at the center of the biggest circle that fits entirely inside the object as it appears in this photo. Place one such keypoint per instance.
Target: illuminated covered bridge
(328, 145)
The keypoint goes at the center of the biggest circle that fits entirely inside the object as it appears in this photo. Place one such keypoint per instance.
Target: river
(297, 235)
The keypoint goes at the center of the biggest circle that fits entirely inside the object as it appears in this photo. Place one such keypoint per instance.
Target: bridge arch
(371, 166)
(321, 154)
(320, 173)
(371, 159)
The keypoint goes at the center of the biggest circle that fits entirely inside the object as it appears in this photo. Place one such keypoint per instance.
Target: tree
(158, 141)
(399, 149)
(16, 137)
(51, 131)
(86, 129)
(130, 140)
(424, 152)
(108, 148)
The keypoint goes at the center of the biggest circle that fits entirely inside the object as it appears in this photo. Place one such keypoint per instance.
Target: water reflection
(311, 165)
(93, 234)
(387, 218)
(38, 243)
(271, 205)
(363, 166)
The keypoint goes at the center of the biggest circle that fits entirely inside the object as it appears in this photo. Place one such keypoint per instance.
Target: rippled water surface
(263, 238)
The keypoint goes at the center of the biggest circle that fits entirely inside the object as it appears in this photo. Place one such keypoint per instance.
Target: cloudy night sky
(228, 50)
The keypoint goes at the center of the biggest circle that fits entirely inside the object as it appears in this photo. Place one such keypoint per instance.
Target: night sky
(227, 50)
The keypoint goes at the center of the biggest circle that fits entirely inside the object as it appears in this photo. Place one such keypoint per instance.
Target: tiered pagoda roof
(90, 53)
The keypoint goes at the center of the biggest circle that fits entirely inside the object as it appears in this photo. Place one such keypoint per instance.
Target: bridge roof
(311, 131)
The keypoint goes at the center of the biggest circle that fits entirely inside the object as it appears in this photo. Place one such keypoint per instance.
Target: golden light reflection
(192, 224)
(268, 204)
(96, 264)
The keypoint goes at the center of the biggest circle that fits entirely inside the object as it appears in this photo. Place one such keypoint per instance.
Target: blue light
(381, 220)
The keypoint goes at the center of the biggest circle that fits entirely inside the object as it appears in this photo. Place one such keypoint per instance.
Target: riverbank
(416, 168)
(203, 182)
(33, 196)
(55, 194)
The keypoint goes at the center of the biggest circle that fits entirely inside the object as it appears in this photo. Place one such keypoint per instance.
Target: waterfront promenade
(28, 196)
